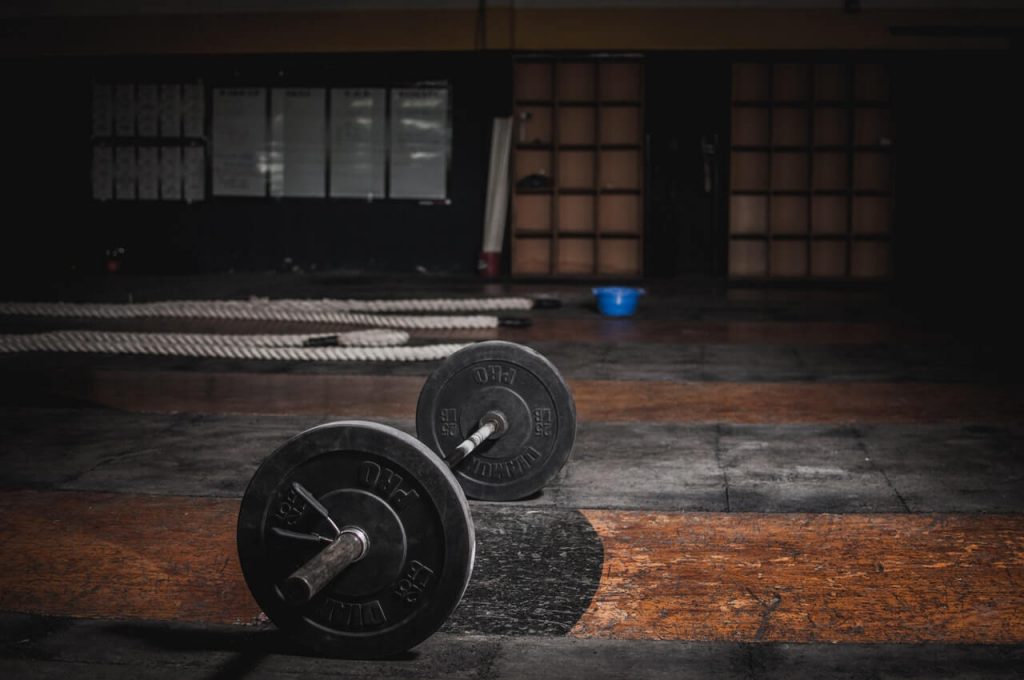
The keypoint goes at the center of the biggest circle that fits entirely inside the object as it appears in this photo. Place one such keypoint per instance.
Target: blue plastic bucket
(615, 301)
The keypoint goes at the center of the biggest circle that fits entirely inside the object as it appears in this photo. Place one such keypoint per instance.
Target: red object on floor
(489, 264)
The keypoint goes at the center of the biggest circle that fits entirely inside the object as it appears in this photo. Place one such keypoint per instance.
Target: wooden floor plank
(699, 576)
(112, 556)
(596, 400)
(809, 578)
(777, 403)
(595, 329)
(714, 332)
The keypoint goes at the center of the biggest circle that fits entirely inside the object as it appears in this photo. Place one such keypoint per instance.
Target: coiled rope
(374, 345)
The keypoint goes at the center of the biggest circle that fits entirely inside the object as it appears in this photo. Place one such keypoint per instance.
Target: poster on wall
(147, 110)
(239, 142)
(358, 143)
(102, 172)
(124, 173)
(102, 110)
(194, 172)
(193, 109)
(170, 173)
(419, 143)
(124, 110)
(297, 160)
(170, 111)
(147, 166)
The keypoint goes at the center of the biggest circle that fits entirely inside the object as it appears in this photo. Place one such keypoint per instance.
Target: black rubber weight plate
(389, 484)
(535, 399)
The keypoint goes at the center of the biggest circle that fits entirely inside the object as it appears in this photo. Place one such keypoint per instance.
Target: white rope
(262, 347)
(369, 345)
(310, 311)
(368, 338)
(245, 311)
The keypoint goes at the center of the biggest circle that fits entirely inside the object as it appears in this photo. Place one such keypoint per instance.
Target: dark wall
(959, 181)
(958, 150)
(47, 173)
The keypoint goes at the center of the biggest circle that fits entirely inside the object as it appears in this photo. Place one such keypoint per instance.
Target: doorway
(688, 126)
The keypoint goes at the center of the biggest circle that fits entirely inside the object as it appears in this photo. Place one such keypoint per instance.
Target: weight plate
(421, 542)
(536, 402)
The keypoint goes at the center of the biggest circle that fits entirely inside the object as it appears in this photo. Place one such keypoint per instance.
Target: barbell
(356, 538)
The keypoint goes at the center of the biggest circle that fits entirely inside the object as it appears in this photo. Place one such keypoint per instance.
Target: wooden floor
(700, 576)
(767, 483)
(386, 396)
(809, 578)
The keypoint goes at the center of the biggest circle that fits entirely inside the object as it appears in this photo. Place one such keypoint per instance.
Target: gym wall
(952, 87)
(48, 179)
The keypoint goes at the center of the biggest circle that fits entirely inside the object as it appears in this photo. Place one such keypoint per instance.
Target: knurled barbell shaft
(493, 423)
(309, 579)
(485, 431)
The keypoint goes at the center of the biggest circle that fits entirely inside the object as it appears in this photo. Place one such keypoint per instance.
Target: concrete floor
(540, 562)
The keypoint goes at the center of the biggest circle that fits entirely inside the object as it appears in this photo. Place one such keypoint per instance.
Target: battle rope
(314, 311)
(263, 347)
(370, 345)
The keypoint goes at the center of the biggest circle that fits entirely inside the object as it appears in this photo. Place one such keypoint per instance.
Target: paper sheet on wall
(124, 173)
(102, 172)
(124, 110)
(239, 142)
(147, 167)
(193, 109)
(147, 110)
(194, 172)
(358, 143)
(102, 110)
(297, 156)
(170, 173)
(170, 111)
(419, 143)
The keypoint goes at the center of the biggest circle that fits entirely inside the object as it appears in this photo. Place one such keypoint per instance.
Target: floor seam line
(721, 468)
(880, 470)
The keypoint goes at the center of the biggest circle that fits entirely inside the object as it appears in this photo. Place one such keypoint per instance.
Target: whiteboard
(297, 155)
(419, 143)
(194, 172)
(147, 110)
(102, 172)
(124, 110)
(358, 143)
(239, 142)
(170, 111)
(193, 109)
(170, 173)
(148, 172)
(124, 173)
